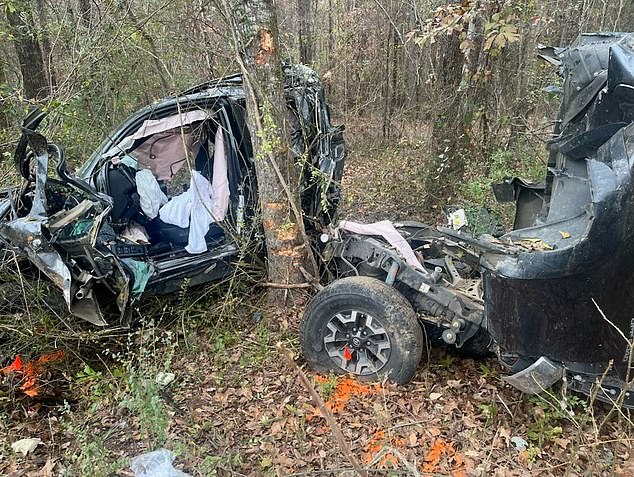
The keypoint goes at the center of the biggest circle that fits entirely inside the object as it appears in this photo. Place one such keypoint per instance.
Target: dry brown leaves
(233, 415)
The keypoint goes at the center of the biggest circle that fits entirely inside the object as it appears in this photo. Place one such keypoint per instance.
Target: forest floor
(210, 383)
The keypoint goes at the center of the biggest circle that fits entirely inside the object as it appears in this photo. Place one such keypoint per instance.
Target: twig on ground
(411, 468)
(286, 285)
(325, 412)
(505, 405)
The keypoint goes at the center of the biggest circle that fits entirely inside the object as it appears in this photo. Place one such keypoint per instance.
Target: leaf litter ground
(236, 408)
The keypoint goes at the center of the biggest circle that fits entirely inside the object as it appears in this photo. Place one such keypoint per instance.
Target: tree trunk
(306, 12)
(85, 12)
(288, 248)
(47, 49)
(28, 49)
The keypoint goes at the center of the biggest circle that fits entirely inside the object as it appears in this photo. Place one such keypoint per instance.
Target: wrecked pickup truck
(553, 298)
(166, 200)
(168, 196)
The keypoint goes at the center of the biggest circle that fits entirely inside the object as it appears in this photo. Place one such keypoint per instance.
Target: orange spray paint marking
(15, 366)
(31, 371)
(345, 388)
(438, 449)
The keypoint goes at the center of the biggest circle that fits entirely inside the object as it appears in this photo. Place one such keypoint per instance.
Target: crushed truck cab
(166, 200)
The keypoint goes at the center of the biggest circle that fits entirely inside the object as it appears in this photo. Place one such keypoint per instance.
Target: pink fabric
(386, 230)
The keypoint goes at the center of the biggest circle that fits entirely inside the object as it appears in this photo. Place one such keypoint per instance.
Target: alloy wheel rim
(357, 342)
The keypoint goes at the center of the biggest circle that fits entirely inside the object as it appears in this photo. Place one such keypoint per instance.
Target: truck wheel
(362, 326)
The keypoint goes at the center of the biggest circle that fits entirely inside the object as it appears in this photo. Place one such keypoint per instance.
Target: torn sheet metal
(38, 209)
(25, 234)
(536, 378)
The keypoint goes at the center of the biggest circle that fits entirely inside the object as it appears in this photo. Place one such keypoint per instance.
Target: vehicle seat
(117, 181)
(161, 232)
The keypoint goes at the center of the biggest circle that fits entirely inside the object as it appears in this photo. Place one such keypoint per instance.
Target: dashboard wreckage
(551, 298)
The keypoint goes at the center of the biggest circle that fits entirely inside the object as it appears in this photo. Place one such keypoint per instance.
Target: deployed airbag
(156, 126)
(203, 203)
(150, 193)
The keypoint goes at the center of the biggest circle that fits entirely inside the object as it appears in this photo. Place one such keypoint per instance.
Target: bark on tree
(306, 12)
(4, 117)
(85, 12)
(288, 249)
(28, 49)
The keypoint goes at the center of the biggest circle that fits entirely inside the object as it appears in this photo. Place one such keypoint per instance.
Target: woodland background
(462, 78)
(440, 100)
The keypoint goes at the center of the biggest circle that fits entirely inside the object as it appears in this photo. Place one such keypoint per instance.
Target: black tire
(377, 307)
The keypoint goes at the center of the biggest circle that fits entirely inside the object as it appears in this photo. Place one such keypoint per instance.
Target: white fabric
(155, 126)
(191, 209)
(152, 197)
(220, 179)
(135, 233)
(203, 203)
(386, 230)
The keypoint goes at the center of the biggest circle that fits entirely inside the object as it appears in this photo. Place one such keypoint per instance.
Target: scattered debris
(164, 379)
(155, 464)
(457, 219)
(519, 443)
(26, 446)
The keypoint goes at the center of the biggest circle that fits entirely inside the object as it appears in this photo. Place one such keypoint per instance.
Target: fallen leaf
(277, 427)
(535, 244)
(47, 470)
(505, 433)
(434, 396)
(564, 234)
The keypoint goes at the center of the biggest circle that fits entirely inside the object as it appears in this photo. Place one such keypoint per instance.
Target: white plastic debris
(519, 443)
(155, 464)
(457, 219)
(164, 379)
(25, 446)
